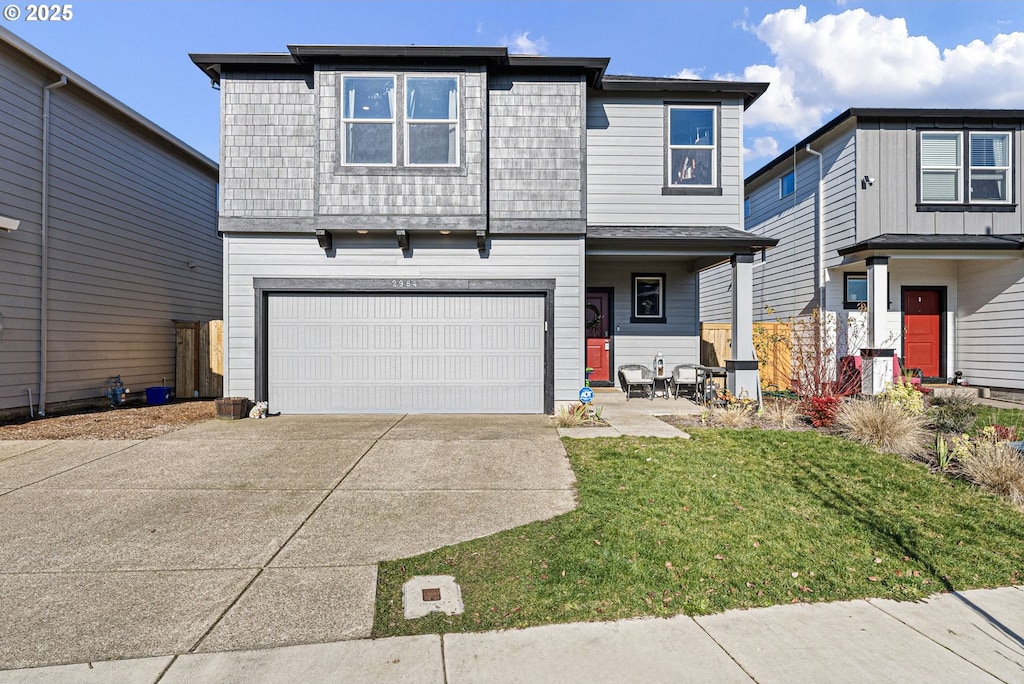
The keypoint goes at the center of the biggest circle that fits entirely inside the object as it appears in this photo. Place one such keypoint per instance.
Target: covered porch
(641, 298)
(942, 303)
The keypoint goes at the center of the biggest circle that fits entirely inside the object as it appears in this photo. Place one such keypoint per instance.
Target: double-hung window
(692, 146)
(368, 117)
(952, 175)
(990, 167)
(431, 120)
(400, 121)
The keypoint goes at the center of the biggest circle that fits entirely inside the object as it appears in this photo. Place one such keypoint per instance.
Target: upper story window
(943, 163)
(431, 120)
(692, 146)
(368, 117)
(787, 184)
(400, 121)
(746, 208)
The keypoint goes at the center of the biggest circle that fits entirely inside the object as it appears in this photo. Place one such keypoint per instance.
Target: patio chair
(634, 377)
(688, 377)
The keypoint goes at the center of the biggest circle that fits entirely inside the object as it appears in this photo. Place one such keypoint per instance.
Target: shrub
(781, 411)
(955, 413)
(821, 410)
(734, 416)
(578, 415)
(998, 467)
(905, 397)
(884, 426)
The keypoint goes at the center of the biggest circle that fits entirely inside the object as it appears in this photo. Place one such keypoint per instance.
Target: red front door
(922, 331)
(598, 330)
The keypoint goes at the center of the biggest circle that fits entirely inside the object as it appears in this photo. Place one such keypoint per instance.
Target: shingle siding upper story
(425, 179)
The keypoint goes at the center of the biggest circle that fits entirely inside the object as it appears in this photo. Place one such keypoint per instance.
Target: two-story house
(911, 216)
(108, 233)
(453, 229)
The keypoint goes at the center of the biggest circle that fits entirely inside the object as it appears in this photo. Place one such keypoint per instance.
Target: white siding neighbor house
(915, 231)
(108, 233)
(457, 229)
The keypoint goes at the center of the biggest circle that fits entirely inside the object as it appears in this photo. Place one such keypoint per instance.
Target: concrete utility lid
(425, 594)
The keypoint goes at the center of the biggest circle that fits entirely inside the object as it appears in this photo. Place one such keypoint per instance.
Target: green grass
(990, 415)
(728, 519)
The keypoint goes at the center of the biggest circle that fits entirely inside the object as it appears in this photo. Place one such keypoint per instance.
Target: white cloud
(688, 73)
(522, 44)
(856, 59)
(762, 148)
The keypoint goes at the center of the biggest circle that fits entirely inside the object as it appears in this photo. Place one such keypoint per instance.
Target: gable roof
(109, 103)
(855, 115)
(301, 58)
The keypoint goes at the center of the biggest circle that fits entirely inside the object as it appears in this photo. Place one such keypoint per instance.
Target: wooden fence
(199, 368)
(771, 342)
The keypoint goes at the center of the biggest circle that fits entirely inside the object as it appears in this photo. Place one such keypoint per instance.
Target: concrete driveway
(248, 534)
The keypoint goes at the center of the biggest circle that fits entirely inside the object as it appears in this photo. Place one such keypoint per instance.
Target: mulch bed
(126, 422)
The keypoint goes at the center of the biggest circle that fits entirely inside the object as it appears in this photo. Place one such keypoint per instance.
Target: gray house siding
(268, 145)
(785, 281)
(128, 212)
(536, 149)
(291, 256)
(436, 193)
(626, 166)
(888, 152)
(990, 324)
(678, 339)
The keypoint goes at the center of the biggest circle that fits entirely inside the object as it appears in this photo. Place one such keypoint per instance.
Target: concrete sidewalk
(637, 416)
(248, 534)
(973, 636)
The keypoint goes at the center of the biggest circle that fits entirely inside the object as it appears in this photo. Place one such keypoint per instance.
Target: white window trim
(654, 318)
(712, 147)
(959, 168)
(1008, 169)
(782, 187)
(456, 121)
(343, 133)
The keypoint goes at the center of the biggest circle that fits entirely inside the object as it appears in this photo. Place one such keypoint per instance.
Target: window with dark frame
(648, 298)
(953, 172)
(692, 146)
(855, 290)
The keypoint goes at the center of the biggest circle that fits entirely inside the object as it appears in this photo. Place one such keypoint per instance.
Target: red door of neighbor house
(922, 331)
(597, 320)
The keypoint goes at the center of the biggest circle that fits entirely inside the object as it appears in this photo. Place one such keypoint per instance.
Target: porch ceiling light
(403, 240)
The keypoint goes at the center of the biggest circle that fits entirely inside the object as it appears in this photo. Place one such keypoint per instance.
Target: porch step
(957, 390)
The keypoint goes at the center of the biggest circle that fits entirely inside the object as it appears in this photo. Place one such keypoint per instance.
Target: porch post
(742, 378)
(877, 357)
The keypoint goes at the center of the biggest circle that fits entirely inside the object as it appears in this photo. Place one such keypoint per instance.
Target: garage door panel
(405, 353)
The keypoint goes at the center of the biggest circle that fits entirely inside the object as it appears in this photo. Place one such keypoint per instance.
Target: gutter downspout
(819, 225)
(44, 245)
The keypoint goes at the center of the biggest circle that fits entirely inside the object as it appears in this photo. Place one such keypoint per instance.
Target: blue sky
(820, 57)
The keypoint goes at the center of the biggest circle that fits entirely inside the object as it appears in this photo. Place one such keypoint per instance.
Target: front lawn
(727, 519)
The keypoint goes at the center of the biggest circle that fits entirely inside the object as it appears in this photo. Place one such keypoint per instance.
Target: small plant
(1004, 433)
(884, 426)
(998, 467)
(736, 416)
(955, 413)
(821, 410)
(578, 415)
(904, 396)
(942, 453)
(781, 411)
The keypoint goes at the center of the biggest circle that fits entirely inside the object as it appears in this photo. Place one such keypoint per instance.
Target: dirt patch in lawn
(127, 422)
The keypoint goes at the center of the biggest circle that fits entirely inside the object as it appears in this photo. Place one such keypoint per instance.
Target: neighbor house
(452, 229)
(108, 233)
(906, 224)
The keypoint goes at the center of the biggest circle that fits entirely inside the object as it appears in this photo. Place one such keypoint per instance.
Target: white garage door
(405, 353)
